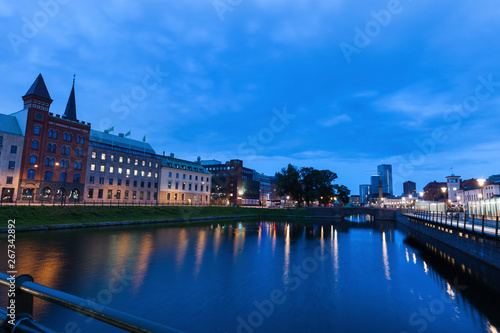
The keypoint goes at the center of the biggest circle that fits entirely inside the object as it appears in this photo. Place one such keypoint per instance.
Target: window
(207, 188)
(156, 185)
(143, 163)
(51, 133)
(128, 172)
(120, 171)
(47, 176)
(118, 194)
(56, 133)
(103, 156)
(176, 175)
(119, 182)
(112, 157)
(134, 195)
(170, 174)
(111, 169)
(110, 181)
(127, 182)
(91, 180)
(94, 154)
(182, 197)
(190, 177)
(65, 136)
(135, 183)
(120, 159)
(176, 186)
(34, 145)
(10, 180)
(91, 193)
(101, 180)
(136, 162)
(148, 196)
(150, 164)
(110, 194)
(76, 178)
(62, 177)
(168, 196)
(155, 196)
(183, 186)
(141, 195)
(196, 187)
(1, 140)
(169, 185)
(184, 176)
(142, 184)
(100, 193)
(195, 177)
(32, 159)
(156, 174)
(126, 194)
(31, 173)
(143, 173)
(13, 149)
(128, 160)
(70, 136)
(149, 184)
(136, 172)
(36, 131)
(92, 167)
(190, 187)
(103, 168)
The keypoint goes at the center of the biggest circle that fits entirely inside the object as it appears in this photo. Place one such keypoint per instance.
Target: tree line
(306, 185)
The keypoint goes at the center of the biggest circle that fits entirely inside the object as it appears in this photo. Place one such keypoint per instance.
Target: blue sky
(270, 81)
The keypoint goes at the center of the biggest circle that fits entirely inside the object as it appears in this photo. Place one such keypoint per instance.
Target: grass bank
(48, 215)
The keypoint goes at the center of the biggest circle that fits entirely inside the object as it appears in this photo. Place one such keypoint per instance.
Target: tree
(342, 192)
(326, 186)
(288, 182)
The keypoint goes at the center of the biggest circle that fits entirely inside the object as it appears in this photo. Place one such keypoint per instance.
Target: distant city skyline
(261, 84)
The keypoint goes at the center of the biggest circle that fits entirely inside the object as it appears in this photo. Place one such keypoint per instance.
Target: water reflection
(337, 269)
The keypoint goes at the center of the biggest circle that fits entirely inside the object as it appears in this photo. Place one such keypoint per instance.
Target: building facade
(409, 187)
(364, 193)
(121, 170)
(374, 180)
(435, 191)
(384, 171)
(11, 152)
(54, 154)
(233, 184)
(184, 182)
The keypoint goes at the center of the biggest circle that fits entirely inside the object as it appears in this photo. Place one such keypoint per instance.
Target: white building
(11, 152)
(184, 182)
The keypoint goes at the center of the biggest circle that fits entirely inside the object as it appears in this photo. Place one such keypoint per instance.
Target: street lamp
(481, 182)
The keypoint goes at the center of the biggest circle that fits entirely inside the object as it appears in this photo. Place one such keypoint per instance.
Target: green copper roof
(118, 141)
(9, 124)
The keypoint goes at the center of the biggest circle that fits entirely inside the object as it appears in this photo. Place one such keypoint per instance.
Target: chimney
(172, 155)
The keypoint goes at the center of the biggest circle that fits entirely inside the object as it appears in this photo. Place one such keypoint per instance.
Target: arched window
(82, 140)
(31, 173)
(36, 131)
(52, 160)
(65, 136)
(76, 178)
(33, 159)
(34, 144)
(70, 136)
(76, 165)
(47, 161)
(47, 176)
(62, 177)
(77, 139)
(51, 133)
(53, 148)
(49, 147)
(55, 134)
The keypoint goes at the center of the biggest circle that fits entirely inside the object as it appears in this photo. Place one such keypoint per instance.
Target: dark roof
(469, 183)
(172, 162)
(435, 184)
(38, 88)
(118, 141)
(70, 112)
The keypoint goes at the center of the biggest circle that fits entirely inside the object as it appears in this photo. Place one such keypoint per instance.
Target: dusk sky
(333, 84)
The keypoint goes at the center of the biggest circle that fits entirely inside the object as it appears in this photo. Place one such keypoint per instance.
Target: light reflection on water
(349, 276)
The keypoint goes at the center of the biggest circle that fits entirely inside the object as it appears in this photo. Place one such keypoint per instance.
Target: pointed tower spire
(70, 112)
(37, 95)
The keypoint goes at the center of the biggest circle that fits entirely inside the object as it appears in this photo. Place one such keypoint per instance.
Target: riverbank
(63, 217)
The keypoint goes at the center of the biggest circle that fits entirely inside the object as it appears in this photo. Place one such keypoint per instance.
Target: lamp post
(481, 182)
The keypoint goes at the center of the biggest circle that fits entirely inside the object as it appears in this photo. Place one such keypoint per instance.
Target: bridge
(377, 214)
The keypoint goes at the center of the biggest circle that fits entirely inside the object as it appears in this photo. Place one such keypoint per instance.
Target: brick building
(11, 152)
(53, 163)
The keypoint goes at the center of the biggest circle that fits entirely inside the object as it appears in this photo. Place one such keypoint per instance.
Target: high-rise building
(409, 187)
(364, 193)
(374, 184)
(385, 173)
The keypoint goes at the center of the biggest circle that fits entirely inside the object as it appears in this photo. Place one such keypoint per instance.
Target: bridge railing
(475, 224)
(22, 314)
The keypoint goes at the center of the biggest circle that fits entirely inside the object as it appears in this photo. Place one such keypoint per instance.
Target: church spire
(70, 112)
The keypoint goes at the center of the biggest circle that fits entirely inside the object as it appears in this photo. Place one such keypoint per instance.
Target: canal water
(262, 276)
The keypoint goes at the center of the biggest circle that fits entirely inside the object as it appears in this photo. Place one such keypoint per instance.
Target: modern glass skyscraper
(385, 173)
(364, 192)
(374, 184)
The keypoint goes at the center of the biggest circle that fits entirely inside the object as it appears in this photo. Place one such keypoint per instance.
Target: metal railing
(26, 289)
(474, 224)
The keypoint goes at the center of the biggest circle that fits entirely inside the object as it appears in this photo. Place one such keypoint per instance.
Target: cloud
(343, 118)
